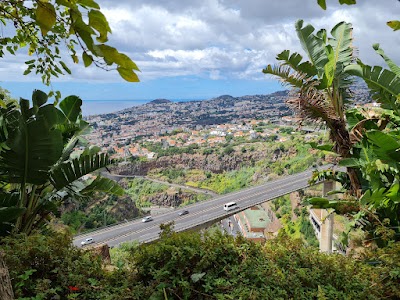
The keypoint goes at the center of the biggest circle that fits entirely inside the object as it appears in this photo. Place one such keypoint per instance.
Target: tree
(367, 143)
(43, 26)
(39, 167)
(321, 86)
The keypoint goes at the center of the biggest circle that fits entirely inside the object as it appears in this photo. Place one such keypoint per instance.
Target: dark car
(183, 212)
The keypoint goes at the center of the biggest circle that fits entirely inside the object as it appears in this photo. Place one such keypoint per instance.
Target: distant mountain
(160, 101)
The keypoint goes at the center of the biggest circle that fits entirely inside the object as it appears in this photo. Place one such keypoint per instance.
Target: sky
(199, 49)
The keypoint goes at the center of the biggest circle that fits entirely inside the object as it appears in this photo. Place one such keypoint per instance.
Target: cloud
(227, 38)
(236, 37)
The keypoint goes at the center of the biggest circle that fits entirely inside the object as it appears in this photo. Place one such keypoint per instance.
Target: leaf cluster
(196, 266)
(39, 167)
(48, 28)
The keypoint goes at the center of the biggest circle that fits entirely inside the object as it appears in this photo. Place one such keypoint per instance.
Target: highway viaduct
(201, 214)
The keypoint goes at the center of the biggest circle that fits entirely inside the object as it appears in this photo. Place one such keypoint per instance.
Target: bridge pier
(325, 242)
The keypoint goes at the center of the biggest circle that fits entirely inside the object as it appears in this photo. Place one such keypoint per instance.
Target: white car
(87, 241)
(147, 219)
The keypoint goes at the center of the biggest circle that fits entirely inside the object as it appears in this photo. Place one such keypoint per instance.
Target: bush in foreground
(196, 266)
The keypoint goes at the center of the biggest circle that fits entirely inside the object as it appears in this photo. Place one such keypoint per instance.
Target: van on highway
(230, 205)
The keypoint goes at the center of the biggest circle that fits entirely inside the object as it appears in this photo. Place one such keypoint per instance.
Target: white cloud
(227, 38)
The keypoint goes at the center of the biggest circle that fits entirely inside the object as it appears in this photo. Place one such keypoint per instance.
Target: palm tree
(39, 167)
(320, 86)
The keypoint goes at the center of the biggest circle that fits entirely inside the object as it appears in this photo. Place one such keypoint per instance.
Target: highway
(205, 212)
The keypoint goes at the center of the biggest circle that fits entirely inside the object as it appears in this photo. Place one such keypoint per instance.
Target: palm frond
(285, 74)
(294, 60)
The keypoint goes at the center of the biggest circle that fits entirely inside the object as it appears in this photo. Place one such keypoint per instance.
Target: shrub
(50, 267)
(217, 266)
(196, 265)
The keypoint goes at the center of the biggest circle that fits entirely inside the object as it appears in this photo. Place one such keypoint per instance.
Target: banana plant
(320, 85)
(39, 164)
(366, 141)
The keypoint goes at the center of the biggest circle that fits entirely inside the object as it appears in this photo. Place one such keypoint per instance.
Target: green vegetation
(276, 159)
(145, 193)
(364, 144)
(99, 211)
(39, 169)
(139, 189)
(168, 151)
(294, 156)
(42, 26)
(322, 83)
(196, 266)
(298, 227)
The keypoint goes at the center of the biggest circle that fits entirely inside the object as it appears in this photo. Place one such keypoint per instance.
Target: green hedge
(197, 266)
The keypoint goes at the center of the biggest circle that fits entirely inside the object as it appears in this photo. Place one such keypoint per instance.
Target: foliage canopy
(196, 266)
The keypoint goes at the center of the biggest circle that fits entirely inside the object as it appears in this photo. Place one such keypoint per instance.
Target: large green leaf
(101, 184)
(325, 147)
(87, 59)
(314, 46)
(341, 53)
(99, 22)
(8, 214)
(71, 107)
(125, 62)
(69, 171)
(348, 2)
(88, 3)
(373, 197)
(45, 16)
(39, 98)
(128, 74)
(386, 147)
(330, 67)
(322, 3)
(349, 162)
(34, 145)
(391, 64)
(9, 210)
(384, 84)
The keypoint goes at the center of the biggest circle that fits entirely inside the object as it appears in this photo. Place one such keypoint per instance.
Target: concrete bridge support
(325, 243)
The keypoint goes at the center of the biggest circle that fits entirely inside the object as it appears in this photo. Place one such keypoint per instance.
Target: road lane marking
(278, 185)
(248, 198)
